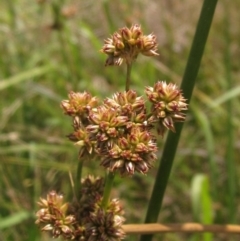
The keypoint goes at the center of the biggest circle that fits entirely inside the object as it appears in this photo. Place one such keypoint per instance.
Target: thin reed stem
(58, 24)
(107, 188)
(129, 69)
(78, 179)
(107, 12)
(151, 228)
(187, 86)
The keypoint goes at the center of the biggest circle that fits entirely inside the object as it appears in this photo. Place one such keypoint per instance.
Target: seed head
(167, 105)
(91, 194)
(127, 43)
(135, 152)
(92, 186)
(81, 139)
(53, 216)
(106, 224)
(126, 103)
(79, 104)
(105, 123)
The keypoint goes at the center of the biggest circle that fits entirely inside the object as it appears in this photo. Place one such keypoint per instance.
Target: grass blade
(207, 131)
(201, 202)
(24, 76)
(14, 219)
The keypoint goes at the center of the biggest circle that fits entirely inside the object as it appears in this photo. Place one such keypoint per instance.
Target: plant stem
(187, 86)
(60, 26)
(129, 69)
(107, 188)
(180, 228)
(107, 12)
(78, 179)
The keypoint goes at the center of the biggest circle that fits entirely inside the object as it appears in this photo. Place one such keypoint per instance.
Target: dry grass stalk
(152, 228)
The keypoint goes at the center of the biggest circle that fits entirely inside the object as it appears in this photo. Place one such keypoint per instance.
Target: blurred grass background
(51, 47)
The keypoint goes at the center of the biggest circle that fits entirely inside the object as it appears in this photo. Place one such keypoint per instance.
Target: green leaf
(24, 76)
(228, 95)
(14, 219)
(202, 202)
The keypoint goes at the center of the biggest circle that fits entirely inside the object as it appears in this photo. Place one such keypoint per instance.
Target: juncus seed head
(168, 105)
(127, 43)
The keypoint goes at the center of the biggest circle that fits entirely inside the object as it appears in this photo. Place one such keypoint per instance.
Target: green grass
(40, 64)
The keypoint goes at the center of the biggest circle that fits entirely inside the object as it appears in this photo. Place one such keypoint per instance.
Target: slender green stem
(129, 69)
(78, 179)
(60, 27)
(107, 11)
(187, 86)
(107, 188)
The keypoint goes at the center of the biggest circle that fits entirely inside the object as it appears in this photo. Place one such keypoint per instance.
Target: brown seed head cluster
(167, 105)
(119, 130)
(116, 131)
(135, 152)
(53, 216)
(82, 220)
(91, 193)
(106, 224)
(127, 43)
(78, 106)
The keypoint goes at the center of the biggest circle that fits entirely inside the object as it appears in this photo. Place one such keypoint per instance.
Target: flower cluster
(53, 216)
(135, 152)
(82, 220)
(127, 43)
(106, 224)
(119, 130)
(78, 106)
(167, 105)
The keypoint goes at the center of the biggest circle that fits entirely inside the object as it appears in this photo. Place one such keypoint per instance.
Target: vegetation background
(48, 48)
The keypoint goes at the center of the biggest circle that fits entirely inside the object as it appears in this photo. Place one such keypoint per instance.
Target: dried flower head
(167, 105)
(126, 103)
(90, 194)
(106, 123)
(106, 224)
(79, 104)
(127, 43)
(135, 152)
(92, 186)
(81, 138)
(53, 216)
(129, 104)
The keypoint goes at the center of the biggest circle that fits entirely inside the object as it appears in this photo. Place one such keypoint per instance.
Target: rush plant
(120, 133)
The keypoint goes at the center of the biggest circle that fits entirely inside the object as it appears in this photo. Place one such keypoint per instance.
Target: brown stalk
(151, 228)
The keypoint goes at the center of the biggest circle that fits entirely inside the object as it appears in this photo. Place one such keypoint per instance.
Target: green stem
(59, 24)
(107, 188)
(129, 69)
(78, 179)
(107, 11)
(187, 86)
